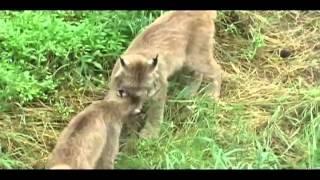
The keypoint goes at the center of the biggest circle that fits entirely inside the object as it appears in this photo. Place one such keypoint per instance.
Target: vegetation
(54, 63)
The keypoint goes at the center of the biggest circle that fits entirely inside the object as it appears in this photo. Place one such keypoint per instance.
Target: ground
(56, 63)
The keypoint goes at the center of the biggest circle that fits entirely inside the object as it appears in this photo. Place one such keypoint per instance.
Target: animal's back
(81, 142)
(174, 36)
(171, 31)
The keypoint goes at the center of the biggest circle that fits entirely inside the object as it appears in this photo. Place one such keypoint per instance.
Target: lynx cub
(91, 139)
(175, 40)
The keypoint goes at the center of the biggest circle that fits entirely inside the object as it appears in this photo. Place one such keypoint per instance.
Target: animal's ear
(122, 62)
(154, 62)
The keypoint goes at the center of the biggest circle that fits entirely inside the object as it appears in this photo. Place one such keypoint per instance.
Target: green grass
(54, 63)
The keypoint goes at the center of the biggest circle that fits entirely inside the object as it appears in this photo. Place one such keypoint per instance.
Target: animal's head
(136, 76)
(126, 104)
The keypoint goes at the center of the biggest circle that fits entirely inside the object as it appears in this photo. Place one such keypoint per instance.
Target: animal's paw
(149, 133)
(215, 95)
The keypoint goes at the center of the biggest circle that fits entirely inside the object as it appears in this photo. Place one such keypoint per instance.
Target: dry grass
(268, 116)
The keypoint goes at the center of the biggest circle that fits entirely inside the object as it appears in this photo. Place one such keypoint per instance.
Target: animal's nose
(122, 93)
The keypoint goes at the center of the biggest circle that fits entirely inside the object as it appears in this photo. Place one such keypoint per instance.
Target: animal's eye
(122, 93)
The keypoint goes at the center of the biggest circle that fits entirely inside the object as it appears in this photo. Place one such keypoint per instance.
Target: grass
(268, 116)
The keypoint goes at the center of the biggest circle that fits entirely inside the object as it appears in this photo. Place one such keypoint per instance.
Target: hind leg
(193, 87)
(214, 74)
(201, 60)
(210, 70)
(200, 54)
(130, 133)
(196, 83)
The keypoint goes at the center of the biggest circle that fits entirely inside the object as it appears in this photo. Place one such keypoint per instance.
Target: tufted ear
(122, 62)
(154, 62)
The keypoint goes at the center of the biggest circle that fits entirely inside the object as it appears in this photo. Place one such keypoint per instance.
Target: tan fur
(91, 139)
(61, 166)
(180, 39)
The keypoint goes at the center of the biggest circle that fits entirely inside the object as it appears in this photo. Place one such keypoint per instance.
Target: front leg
(111, 148)
(154, 115)
(130, 133)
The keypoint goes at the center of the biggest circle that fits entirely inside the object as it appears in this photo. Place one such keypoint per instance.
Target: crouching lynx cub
(175, 40)
(91, 139)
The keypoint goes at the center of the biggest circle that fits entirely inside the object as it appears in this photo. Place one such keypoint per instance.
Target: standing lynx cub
(175, 40)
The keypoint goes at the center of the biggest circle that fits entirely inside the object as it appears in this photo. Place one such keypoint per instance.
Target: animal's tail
(61, 166)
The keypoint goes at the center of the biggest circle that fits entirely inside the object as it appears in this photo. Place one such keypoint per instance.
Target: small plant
(21, 86)
(256, 42)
